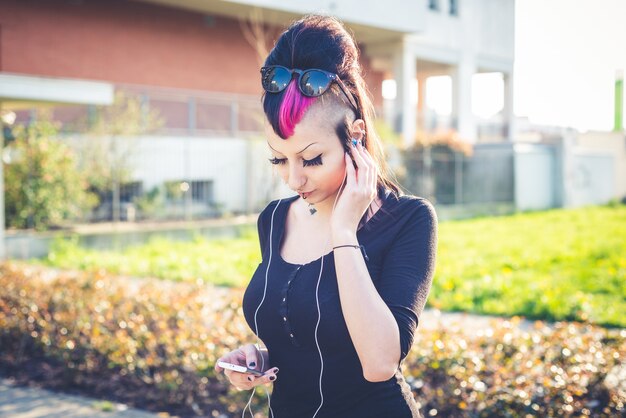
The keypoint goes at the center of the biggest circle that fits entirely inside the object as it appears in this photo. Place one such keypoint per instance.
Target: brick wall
(126, 42)
(131, 42)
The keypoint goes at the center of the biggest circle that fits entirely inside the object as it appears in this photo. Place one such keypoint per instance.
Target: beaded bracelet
(355, 246)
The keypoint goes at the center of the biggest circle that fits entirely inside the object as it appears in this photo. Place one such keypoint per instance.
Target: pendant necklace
(312, 209)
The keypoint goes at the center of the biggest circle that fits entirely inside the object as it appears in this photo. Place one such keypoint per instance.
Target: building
(196, 62)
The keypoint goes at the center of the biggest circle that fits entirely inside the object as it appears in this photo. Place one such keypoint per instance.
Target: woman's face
(311, 161)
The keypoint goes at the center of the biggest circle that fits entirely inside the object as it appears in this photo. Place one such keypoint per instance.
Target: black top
(400, 241)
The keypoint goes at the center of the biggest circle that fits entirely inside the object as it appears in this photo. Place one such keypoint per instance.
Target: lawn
(554, 265)
(558, 264)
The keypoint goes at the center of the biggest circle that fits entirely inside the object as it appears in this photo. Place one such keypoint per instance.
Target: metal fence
(190, 168)
(447, 177)
(183, 112)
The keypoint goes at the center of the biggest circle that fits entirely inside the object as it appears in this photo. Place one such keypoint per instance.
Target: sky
(566, 56)
(567, 53)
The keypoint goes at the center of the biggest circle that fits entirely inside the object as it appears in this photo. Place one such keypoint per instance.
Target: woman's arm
(382, 319)
(372, 327)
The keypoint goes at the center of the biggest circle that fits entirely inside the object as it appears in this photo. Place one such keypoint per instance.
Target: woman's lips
(306, 194)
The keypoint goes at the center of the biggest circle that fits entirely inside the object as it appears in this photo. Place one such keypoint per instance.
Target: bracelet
(355, 246)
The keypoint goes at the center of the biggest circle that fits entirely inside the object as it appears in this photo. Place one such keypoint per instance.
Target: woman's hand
(248, 355)
(358, 193)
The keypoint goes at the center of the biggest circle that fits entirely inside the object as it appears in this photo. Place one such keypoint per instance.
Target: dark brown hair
(318, 41)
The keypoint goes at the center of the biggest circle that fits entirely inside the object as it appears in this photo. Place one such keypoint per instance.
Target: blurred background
(134, 168)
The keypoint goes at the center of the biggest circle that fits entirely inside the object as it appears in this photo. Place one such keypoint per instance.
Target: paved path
(23, 402)
(432, 319)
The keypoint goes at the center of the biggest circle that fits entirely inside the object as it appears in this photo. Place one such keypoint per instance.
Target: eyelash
(315, 161)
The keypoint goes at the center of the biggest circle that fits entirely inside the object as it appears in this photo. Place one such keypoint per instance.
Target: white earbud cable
(248, 406)
(319, 314)
(256, 326)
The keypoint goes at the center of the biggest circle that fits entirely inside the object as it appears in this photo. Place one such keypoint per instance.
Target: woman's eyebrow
(299, 152)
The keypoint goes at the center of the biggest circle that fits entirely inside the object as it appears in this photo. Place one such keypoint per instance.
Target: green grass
(223, 262)
(559, 264)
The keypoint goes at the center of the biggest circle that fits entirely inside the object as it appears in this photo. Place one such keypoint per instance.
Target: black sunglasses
(312, 82)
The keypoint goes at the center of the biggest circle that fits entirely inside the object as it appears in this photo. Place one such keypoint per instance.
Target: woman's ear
(357, 130)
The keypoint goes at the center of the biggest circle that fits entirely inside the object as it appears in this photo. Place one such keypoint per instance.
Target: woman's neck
(323, 210)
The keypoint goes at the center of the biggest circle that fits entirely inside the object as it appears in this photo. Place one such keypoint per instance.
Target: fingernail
(252, 364)
(276, 370)
(272, 377)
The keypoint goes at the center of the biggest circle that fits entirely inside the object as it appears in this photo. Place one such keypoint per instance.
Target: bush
(154, 347)
(43, 186)
(566, 369)
(126, 340)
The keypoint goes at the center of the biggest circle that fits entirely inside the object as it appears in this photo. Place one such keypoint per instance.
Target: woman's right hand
(248, 355)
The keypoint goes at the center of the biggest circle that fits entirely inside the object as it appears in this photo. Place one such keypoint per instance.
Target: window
(454, 8)
(433, 5)
(202, 191)
(131, 190)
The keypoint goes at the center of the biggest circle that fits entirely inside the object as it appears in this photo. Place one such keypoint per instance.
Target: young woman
(348, 262)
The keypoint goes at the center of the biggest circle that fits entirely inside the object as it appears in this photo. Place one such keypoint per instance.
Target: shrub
(43, 186)
(153, 345)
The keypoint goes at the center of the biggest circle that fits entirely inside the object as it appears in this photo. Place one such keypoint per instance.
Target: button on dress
(400, 241)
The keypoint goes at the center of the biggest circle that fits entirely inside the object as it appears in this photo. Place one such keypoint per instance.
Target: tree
(108, 146)
(43, 185)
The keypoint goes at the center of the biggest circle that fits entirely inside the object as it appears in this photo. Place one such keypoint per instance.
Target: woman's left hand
(358, 193)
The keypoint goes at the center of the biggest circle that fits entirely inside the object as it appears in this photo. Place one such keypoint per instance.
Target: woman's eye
(315, 161)
(277, 160)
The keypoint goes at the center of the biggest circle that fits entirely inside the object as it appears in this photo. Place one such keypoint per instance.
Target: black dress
(400, 241)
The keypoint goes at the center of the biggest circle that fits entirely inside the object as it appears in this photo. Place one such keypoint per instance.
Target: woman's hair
(322, 42)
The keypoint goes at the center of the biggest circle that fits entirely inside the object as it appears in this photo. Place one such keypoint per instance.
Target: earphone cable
(317, 300)
(343, 184)
(256, 326)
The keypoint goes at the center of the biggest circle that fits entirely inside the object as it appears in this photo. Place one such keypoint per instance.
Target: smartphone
(237, 368)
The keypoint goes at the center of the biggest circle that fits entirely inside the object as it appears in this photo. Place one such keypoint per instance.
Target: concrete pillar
(404, 108)
(508, 116)
(568, 170)
(389, 112)
(618, 124)
(421, 102)
(462, 117)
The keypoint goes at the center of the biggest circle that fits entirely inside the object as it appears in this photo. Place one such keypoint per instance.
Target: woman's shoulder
(410, 205)
(266, 213)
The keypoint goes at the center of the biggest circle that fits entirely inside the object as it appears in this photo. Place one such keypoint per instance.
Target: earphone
(343, 183)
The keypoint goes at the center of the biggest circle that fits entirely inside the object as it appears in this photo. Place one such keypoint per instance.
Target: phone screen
(239, 369)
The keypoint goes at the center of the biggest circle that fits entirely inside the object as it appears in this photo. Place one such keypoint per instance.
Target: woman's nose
(296, 178)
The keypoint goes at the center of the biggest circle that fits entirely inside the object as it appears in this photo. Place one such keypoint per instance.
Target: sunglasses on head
(312, 82)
